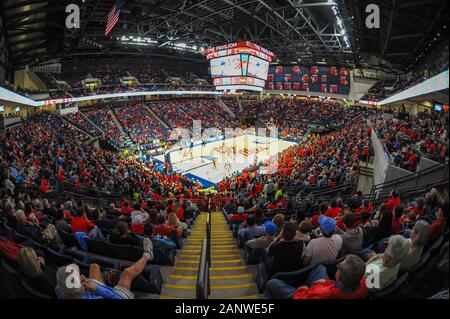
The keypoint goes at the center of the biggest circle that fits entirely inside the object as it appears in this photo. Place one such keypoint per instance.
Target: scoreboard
(323, 79)
(239, 66)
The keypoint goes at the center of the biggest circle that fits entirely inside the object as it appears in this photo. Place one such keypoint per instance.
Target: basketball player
(228, 167)
(214, 164)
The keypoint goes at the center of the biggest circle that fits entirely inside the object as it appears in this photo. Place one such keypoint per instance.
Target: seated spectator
(264, 241)
(364, 219)
(123, 236)
(99, 219)
(394, 201)
(279, 220)
(287, 252)
(352, 236)
(326, 247)
(191, 211)
(33, 266)
(440, 225)
(397, 222)
(323, 208)
(385, 267)
(240, 216)
(29, 229)
(378, 230)
(94, 287)
(82, 224)
(249, 229)
(418, 238)
(173, 221)
(303, 232)
(366, 206)
(334, 209)
(162, 228)
(409, 220)
(126, 208)
(349, 283)
(138, 219)
(60, 222)
(418, 207)
(159, 243)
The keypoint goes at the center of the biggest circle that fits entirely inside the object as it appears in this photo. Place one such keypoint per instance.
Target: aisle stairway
(229, 276)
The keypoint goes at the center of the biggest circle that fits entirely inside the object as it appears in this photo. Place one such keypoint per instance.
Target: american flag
(113, 17)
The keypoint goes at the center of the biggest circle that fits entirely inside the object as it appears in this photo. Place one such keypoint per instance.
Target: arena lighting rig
(239, 66)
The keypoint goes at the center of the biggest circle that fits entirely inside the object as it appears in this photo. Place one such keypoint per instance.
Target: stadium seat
(294, 278)
(32, 293)
(391, 289)
(150, 280)
(422, 263)
(69, 239)
(56, 258)
(126, 252)
(252, 255)
(98, 246)
(104, 262)
(18, 238)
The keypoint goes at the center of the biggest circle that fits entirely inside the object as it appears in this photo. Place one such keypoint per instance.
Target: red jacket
(328, 290)
(82, 224)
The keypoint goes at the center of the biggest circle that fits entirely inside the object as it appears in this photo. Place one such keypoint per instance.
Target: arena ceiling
(302, 31)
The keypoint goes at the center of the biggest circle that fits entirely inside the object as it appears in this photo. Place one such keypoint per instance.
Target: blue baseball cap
(270, 228)
(327, 224)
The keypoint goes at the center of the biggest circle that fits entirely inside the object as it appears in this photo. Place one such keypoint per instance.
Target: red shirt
(397, 225)
(437, 229)
(315, 220)
(238, 217)
(359, 210)
(333, 212)
(392, 203)
(126, 210)
(137, 229)
(82, 224)
(328, 290)
(180, 213)
(163, 230)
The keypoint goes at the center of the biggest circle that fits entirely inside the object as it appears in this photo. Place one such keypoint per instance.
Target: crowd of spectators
(105, 121)
(339, 246)
(79, 120)
(139, 122)
(413, 136)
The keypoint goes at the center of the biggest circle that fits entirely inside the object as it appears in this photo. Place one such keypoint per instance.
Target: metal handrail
(416, 176)
(203, 284)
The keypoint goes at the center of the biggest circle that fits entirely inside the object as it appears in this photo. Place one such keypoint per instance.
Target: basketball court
(216, 160)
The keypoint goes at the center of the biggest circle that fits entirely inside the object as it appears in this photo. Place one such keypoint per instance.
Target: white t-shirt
(324, 250)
